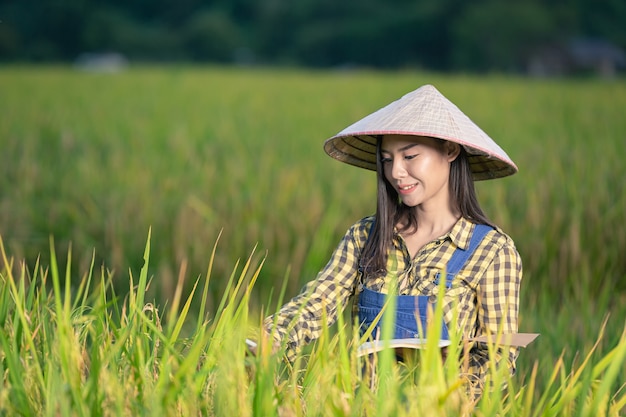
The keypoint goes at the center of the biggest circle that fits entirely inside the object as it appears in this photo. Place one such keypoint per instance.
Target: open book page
(513, 339)
(516, 339)
(378, 345)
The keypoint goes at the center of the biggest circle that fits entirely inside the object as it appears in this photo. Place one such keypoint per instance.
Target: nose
(397, 169)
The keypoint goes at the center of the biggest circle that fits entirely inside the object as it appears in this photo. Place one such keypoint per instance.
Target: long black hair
(390, 210)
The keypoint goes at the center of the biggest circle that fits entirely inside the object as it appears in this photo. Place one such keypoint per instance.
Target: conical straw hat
(423, 112)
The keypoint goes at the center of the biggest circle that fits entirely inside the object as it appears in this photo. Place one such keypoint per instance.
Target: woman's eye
(385, 160)
(409, 157)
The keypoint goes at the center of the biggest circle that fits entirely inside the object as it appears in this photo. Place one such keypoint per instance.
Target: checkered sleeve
(300, 320)
(498, 306)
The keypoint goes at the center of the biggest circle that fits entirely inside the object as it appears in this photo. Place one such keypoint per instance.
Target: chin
(410, 203)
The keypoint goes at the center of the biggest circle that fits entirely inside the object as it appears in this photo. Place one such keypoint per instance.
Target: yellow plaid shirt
(486, 289)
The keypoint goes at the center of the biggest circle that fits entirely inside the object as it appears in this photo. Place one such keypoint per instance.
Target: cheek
(437, 165)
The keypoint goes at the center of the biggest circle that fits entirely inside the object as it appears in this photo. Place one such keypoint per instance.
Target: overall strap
(460, 256)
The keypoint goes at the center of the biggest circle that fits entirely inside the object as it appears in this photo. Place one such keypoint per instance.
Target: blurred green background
(198, 120)
(536, 36)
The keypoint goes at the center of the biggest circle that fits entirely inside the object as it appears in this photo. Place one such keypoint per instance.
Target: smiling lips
(406, 189)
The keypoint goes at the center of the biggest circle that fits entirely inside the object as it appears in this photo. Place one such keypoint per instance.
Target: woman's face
(418, 168)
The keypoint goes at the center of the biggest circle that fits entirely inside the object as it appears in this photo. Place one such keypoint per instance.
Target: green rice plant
(85, 351)
(193, 153)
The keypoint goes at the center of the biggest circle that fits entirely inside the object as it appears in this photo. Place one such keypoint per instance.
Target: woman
(427, 154)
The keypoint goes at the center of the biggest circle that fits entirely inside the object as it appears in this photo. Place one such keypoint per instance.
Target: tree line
(479, 35)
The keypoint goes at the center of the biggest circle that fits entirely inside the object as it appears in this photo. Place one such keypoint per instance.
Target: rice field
(223, 170)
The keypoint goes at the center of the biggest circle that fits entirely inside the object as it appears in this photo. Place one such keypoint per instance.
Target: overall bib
(411, 308)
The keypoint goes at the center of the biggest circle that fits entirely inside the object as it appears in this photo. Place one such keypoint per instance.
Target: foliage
(498, 35)
(432, 34)
(86, 351)
(211, 36)
(96, 160)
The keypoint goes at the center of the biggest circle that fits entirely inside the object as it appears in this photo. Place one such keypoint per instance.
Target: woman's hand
(266, 339)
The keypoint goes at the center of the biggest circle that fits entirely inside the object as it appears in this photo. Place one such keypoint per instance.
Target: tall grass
(196, 153)
(89, 352)
(97, 159)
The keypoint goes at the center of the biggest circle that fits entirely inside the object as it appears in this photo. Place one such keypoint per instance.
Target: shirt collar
(461, 233)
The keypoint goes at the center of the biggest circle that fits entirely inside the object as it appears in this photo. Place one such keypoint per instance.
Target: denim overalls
(408, 307)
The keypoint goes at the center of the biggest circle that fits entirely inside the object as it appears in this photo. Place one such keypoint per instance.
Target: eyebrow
(402, 149)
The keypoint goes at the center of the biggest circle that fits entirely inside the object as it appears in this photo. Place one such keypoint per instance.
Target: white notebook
(515, 339)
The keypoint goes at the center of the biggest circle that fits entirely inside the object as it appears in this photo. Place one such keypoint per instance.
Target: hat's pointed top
(423, 112)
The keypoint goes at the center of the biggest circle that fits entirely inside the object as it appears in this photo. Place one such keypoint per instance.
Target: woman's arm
(300, 320)
(497, 306)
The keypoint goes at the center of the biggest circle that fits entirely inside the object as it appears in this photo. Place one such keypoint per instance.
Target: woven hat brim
(423, 112)
(360, 151)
